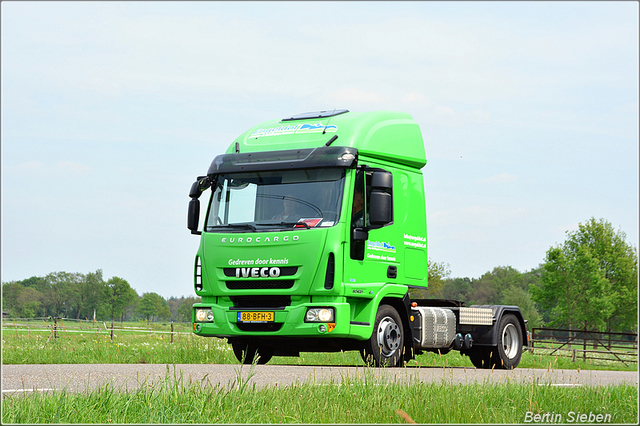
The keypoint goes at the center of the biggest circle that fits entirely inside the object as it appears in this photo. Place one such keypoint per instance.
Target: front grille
(270, 326)
(259, 284)
(284, 272)
(257, 302)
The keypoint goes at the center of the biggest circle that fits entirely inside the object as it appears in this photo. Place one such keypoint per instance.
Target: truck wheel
(385, 346)
(247, 353)
(509, 350)
(481, 357)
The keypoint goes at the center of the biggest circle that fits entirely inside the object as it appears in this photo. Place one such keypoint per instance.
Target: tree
(436, 274)
(591, 280)
(516, 296)
(153, 306)
(185, 308)
(60, 289)
(490, 287)
(120, 296)
(174, 305)
(39, 283)
(457, 289)
(28, 303)
(95, 293)
(10, 292)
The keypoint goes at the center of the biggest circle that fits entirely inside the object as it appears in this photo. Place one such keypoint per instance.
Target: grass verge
(365, 400)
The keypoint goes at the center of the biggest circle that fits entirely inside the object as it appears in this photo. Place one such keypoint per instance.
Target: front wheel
(246, 353)
(386, 344)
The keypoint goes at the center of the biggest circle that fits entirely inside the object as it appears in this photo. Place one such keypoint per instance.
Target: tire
(509, 350)
(481, 357)
(246, 353)
(510, 341)
(386, 344)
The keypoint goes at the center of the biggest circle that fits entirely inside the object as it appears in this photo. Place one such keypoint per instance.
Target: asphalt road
(20, 379)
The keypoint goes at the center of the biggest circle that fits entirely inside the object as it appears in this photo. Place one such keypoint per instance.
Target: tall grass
(20, 347)
(368, 399)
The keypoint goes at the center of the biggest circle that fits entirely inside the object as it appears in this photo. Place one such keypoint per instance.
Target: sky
(110, 110)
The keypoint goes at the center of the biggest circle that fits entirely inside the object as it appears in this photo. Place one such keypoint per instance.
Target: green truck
(315, 240)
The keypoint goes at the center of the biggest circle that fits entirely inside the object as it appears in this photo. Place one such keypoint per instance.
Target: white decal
(415, 241)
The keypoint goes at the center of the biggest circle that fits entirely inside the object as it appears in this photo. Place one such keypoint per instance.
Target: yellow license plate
(256, 316)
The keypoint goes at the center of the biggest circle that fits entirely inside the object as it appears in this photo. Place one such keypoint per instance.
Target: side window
(358, 215)
(372, 207)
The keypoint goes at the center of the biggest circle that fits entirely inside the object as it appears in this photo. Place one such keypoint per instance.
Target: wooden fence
(594, 345)
(56, 325)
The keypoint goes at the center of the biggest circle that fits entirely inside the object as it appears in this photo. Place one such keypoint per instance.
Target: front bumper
(288, 322)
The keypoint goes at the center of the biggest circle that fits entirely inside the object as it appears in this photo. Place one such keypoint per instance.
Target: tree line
(88, 297)
(588, 282)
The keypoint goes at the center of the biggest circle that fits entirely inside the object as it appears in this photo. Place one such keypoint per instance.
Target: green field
(366, 400)
(33, 343)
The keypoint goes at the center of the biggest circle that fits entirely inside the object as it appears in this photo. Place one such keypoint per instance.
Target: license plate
(256, 316)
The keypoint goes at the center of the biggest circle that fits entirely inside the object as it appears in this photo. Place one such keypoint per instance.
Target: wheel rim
(510, 341)
(389, 337)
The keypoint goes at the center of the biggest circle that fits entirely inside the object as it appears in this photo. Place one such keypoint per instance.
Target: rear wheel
(386, 344)
(481, 357)
(246, 353)
(509, 350)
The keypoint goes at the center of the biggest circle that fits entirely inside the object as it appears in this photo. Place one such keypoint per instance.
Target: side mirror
(382, 180)
(380, 208)
(381, 202)
(193, 216)
(200, 185)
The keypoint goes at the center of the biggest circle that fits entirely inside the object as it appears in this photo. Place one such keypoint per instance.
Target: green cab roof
(387, 135)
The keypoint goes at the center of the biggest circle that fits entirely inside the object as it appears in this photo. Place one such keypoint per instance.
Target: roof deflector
(316, 114)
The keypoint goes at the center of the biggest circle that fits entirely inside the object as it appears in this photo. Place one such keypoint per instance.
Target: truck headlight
(319, 315)
(204, 315)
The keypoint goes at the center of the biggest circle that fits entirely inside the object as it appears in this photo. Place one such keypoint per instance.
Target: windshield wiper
(234, 225)
(286, 224)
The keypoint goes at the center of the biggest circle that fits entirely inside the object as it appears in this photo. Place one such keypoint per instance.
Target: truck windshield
(276, 200)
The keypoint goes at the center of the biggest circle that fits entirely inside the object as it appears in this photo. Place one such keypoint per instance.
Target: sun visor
(309, 158)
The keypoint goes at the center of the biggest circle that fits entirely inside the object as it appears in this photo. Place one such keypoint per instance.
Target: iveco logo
(265, 272)
(274, 239)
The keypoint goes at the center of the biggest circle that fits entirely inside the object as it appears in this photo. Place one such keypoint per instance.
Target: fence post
(111, 329)
(55, 328)
(584, 343)
(171, 332)
(532, 343)
(573, 357)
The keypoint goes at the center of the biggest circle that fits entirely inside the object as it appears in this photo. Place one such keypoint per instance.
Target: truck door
(372, 260)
